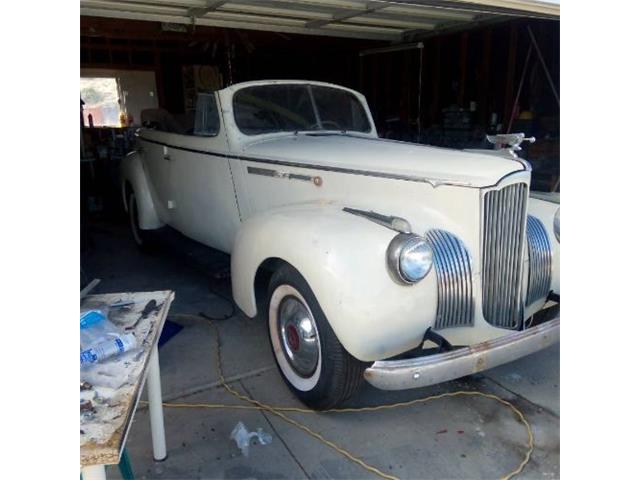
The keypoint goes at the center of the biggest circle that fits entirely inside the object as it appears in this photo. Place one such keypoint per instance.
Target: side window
(201, 122)
(206, 122)
(159, 119)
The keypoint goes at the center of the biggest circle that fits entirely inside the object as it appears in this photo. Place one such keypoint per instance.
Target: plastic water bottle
(103, 350)
(89, 318)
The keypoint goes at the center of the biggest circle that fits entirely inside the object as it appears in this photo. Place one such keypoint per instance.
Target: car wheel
(141, 237)
(311, 359)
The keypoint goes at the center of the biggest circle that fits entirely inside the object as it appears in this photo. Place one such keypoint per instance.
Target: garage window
(101, 101)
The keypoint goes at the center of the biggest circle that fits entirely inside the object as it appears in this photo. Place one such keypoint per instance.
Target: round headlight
(556, 224)
(409, 258)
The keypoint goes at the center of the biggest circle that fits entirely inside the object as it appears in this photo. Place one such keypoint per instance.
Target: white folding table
(103, 433)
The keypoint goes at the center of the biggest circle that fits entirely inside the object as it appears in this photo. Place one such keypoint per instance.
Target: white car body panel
(544, 211)
(281, 195)
(136, 178)
(388, 157)
(358, 314)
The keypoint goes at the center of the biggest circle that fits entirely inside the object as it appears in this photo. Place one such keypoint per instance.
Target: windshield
(297, 107)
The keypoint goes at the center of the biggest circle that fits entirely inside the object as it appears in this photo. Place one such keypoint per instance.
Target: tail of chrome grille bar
(539, 260)
(453, 272)
(504, 228)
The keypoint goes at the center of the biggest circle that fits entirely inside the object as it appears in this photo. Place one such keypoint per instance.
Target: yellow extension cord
(278, 411)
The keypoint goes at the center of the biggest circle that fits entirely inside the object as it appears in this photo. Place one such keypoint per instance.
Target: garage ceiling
(368, 19)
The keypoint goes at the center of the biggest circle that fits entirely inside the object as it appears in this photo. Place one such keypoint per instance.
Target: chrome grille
(539, 260)
(504, 224)
(453, 272)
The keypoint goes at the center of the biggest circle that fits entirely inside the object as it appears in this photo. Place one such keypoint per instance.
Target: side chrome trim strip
(434, 182)
(540, 263)
(394, 223)
(453, 272)
(267, 172)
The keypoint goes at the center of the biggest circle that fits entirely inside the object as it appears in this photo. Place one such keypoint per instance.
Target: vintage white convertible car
(402, 264)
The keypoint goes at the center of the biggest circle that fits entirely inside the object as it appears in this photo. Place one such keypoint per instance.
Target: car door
(206, 209)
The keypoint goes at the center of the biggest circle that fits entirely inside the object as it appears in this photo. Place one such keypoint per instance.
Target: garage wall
(467, 76)
(480, 65)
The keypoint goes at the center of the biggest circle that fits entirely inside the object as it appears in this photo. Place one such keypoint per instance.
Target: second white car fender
(133, 173)
(545, 212)
(343, 259)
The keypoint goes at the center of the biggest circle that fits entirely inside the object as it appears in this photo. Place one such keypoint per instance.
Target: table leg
(125, 466)
(154, 391)
(93, 472)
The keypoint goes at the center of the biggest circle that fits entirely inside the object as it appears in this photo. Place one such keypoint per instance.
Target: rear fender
(134, 175)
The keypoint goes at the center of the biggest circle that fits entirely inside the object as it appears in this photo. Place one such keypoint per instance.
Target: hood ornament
(513, 140)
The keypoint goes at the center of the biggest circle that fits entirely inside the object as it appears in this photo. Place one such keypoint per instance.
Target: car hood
(382, 157)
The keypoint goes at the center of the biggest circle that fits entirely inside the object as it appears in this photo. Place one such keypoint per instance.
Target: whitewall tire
(294, 338)
(311, 359)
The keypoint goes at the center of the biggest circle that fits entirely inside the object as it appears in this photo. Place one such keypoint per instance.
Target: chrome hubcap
(298, 335)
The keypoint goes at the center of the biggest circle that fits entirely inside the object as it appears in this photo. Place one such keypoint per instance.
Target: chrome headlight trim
(402, 248)
(556, 224)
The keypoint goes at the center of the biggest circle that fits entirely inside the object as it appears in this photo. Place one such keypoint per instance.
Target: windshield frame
(309, 85)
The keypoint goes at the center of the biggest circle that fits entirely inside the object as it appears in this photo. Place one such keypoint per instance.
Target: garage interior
(443, 73)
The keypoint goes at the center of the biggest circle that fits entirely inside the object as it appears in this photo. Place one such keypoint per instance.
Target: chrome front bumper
(433, 369)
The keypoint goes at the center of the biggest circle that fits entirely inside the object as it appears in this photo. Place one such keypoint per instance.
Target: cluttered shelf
(110, 389)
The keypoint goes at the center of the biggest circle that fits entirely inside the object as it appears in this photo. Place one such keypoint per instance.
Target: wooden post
(375, 83)
(159, 75)
(109, 50)
(360, 73)
(405, 82)
(419, 114)
(388, 75)
(485, 72)
(511, 71)
(464, 42)
(435, 78)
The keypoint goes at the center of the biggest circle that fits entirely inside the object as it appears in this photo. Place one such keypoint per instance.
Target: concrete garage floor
(461, 438)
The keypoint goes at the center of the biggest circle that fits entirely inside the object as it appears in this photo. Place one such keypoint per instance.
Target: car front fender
(343, 259)
(133, 173)
(544, 211)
